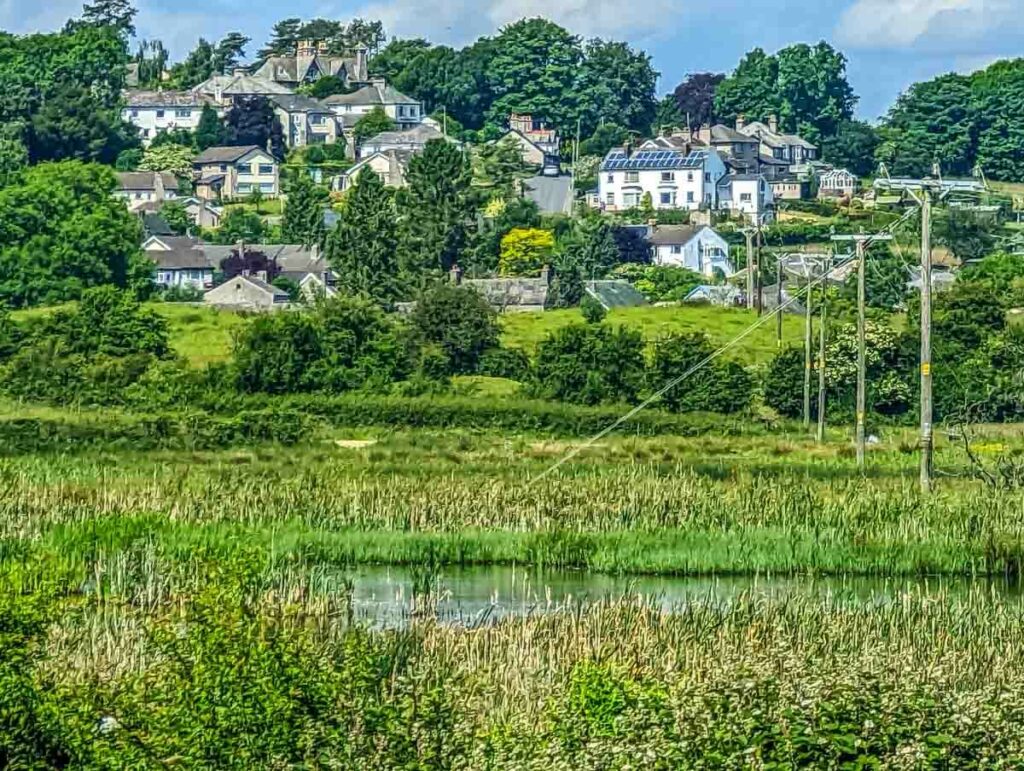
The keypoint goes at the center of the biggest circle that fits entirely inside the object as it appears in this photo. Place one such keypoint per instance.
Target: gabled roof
(294, 69)
(226, 154)
(615, 294)
(278, 294)
(299, 103)
(775, 138)
(399, 157)
(375, 94)
(720, 133)
(177, 253)
(241, 84)
(145, 180)
(417, 136)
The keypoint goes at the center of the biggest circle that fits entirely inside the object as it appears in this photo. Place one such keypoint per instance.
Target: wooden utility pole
(778, 303)
(862, 386)
(821, 352)
(927, 440)
(750, 267)
(757, 269)
(808, 330)
(862, 242)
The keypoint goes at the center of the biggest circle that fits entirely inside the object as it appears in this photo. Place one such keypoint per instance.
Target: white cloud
(22, 16)
(460, 21)
(900, 23)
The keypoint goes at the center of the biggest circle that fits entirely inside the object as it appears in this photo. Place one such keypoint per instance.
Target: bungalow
(413, 140)
(788, 188)
(153, 112)
(139, 188)
(250, 293)
(311, 62)
(233, 172)
(180, 262)
(391, 166)
(699, 249)
(304, 120)
(748, 195)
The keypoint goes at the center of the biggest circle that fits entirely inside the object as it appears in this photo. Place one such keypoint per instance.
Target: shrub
(525, 251)
(275, 353)
(592, 310)
(589, 364)
(509, 363)
(717, 386)
(784, 383)
(460, 321)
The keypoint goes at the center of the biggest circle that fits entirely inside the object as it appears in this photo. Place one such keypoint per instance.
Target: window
(611, 178)
(159, 113)
(668, 199)
(316, 120)
(689, 196)
(266, 169)
(689, 176)
(668, 176)
(135, 113)
(707, 177)
(244, 187)
(745, 198)
(186, 113)
(633, 176)
(223, 167)
(630, 200)
(244, 168)
(610, 199)
(266, 187)
(677, 249)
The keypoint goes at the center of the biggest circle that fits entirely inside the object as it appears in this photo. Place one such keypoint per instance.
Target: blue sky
(889, 43)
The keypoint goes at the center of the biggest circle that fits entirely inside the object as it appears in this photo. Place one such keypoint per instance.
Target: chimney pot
(741, 121)
(773, 124)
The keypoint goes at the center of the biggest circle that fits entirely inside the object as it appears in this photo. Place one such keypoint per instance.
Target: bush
(589, 364)
(717, 386)
(509, 363)
(460, 321)
(592, 310)
(784, 384)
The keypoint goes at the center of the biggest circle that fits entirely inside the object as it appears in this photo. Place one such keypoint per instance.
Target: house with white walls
(153, 112)
(698, 248)
(749, 196)
(405, 111)
(672, 179)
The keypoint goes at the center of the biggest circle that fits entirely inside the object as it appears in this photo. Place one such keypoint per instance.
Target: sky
(889, 43)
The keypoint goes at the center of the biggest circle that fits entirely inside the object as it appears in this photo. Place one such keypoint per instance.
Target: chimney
(741, 121)
(262, 275)
(455, 274)
(362, 65)
(773, 124)
(159, 191)
(704, 134)
(239, 71)
(545, 275)
(306, 49)
(628, 147)
(314, 252)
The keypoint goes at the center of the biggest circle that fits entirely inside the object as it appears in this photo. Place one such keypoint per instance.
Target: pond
(390, 596)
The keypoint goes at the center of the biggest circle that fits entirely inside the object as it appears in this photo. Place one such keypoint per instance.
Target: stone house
(250, 293)
(311, 62)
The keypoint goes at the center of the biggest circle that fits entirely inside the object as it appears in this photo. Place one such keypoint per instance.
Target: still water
(389, 596)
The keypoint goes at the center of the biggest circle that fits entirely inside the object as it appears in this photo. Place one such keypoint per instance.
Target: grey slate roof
(372, 95)
(145, 180)
(512, 293)
(673, 235)
(553, 195)
(269, 288)
(418, 136)
(241, 84)
(223, 154)
(299, 103)
(720, 133)
(165, 99)
(615, 294)
(185, 254)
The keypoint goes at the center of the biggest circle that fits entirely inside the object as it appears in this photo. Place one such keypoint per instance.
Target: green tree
(303, 220)
(210, 130)
(967, 236)
(593, 248)
(615, 84)
(589, 364)
(13, 159)
(172, 158)
(328, 85)
(933, 122)
(197, 67)
(435, 210)
(62, 231)
(667, 117)
(116, 14)
(362, 248)
(177, 217)
(534, 70)
(853, 147)
(284, 39)
(603, 139)
(498, 165)
(711, 386)
(129, 160)
(804, 86)
(229, 51)
(525, 252)
(240, 225)
(460, 321)
(375, 122)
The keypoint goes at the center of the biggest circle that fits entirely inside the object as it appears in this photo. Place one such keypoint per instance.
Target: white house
(699, 248)
(153, 112)
(139, 188)
(391, 166)
(180, 262)
(748, 195)
(405, 111)
(674, 180)
(790, 148)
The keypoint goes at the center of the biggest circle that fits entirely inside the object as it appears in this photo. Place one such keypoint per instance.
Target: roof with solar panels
(653, 160)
